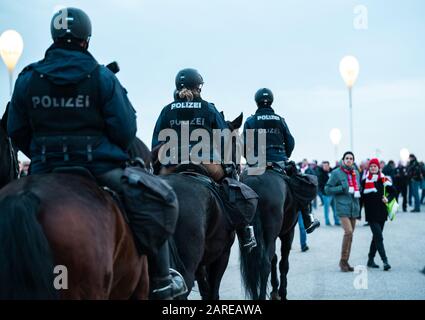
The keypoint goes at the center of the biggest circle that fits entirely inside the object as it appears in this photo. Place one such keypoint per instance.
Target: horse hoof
(275, 296)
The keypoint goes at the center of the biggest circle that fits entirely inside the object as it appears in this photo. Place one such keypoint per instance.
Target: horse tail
(252, 263)
(26, 264)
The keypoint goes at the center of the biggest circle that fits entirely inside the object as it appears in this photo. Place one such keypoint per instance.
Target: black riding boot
(247, 238)
(166, 283)
(310, 222)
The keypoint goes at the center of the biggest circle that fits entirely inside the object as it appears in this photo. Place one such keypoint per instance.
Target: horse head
(236, 123)
(236, 140)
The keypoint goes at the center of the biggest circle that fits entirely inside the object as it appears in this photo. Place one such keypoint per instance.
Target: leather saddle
(79, 171)
(85, 173)
(196, 171)
(191, 168)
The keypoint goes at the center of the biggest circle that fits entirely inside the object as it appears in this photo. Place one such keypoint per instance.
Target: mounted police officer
(279, 141)
(68, 111)
(190, 110)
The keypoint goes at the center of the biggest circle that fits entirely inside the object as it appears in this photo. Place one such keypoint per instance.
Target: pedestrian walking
(401, 183)
(376, 191)
(344, 184)
(416, 174)
(422, 165)
(323, 174)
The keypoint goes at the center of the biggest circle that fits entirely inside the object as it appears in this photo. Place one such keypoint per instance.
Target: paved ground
(315, 274)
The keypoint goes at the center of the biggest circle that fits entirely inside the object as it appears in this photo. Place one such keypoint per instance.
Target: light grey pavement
(315, 274)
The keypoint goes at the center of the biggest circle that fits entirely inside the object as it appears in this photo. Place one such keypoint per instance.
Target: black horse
(276, 216)
(204, 235)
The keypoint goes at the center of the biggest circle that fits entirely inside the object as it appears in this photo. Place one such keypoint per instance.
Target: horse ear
(222, 114)
(237, 123)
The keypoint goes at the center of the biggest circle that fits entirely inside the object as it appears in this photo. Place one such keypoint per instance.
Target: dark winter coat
(375, 209)
(66, 69)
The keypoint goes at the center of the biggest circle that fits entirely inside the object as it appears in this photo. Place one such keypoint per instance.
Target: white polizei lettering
(35, 102)
(55, 102)
(46, 102)
(79, 101)
(268, 117)
(194, 121)
(199, 121)
(186, 105)
(69, 103)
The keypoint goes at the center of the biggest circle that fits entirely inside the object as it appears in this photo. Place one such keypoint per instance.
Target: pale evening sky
(292, 47)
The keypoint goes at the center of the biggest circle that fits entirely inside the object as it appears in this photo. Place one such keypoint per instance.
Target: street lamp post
(11, 47)
(335, 136)
(349, 69)
(404, 155)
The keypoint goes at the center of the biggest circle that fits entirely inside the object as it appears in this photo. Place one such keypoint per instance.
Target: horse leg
(201, 277)
(286, 243)
(142, 289)
(215, 274)
(274, 280)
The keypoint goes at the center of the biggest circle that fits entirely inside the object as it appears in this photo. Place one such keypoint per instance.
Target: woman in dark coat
(374, 200)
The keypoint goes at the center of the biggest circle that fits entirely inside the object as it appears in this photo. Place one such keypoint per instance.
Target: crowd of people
(405, 181)
(348, 188)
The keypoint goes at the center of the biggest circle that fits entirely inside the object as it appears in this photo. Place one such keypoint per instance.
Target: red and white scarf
(352, 180)
(371, 179)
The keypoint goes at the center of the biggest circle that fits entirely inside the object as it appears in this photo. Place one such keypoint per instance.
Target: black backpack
(151, 206)
(304, 187)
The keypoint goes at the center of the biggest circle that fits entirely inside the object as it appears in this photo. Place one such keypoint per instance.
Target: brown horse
(66, 220)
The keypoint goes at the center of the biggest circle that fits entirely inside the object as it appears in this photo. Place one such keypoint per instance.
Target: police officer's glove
(230, 171)
(290, 168)
(138, 162)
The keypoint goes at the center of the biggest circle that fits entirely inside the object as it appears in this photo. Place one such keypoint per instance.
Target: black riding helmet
(189, 79)
(264, 97)
(70, 23)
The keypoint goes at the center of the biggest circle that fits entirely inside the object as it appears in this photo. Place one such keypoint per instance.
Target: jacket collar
(264, 110)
